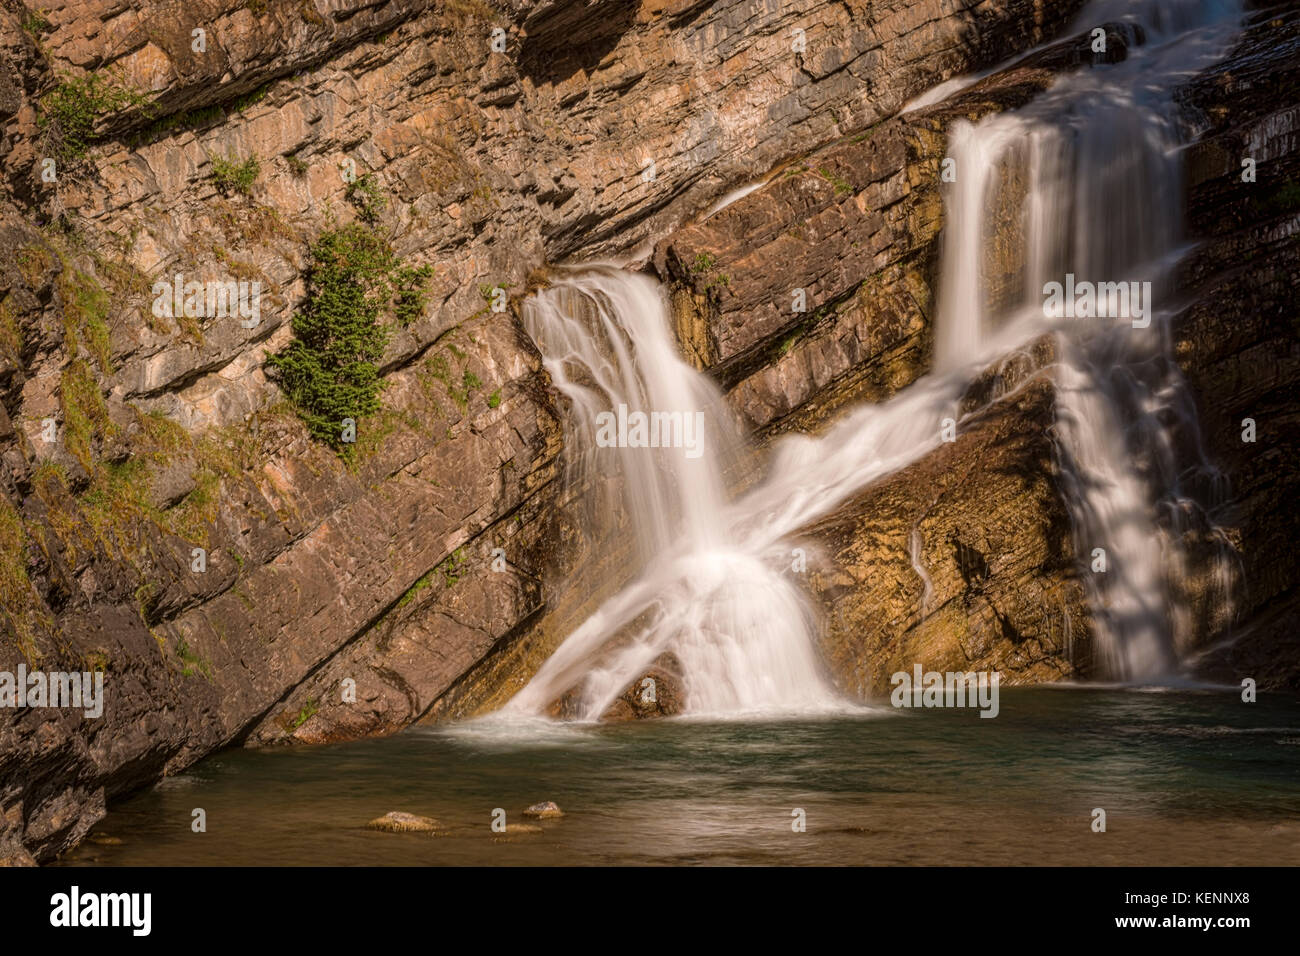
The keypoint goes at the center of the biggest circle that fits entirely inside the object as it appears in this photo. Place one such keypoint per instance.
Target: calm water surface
(1185, 777)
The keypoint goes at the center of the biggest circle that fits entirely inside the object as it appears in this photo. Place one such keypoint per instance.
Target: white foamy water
(739, 627)
(1097, 155)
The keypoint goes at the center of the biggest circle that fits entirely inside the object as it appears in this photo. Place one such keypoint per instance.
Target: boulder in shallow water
(656, 693)
(546, 810)
(398, 821)
(518, 829)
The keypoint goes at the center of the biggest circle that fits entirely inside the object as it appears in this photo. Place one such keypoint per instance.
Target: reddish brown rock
(658, 692)
(961, 561)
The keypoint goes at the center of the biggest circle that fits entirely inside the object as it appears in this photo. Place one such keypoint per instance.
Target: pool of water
(1184, 776)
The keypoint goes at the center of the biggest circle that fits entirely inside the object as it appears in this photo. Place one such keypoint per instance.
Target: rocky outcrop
(1236, 340)
(659, 692)
(855, 228)
(961, 562)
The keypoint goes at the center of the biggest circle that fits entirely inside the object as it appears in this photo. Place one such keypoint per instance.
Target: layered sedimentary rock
(865, 332)
(818, 288)
(854, 228)
(961, 562)
(1237, 339)
(216, 141)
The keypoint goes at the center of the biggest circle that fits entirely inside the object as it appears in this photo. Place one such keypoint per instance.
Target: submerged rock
(398, 821)
(546, 810)
(519, 829)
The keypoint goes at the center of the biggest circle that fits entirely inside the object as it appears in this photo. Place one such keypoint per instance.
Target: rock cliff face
(1237, 338)
(431, 571)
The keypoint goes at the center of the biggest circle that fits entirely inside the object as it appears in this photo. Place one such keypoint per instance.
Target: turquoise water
(1185, 777)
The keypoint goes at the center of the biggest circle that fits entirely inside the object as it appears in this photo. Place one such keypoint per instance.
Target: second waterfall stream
(1099, 154)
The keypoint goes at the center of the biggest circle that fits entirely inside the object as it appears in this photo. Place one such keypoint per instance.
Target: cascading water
(739, 628)
(717, 590)
(1102, 203)
(1098, 153)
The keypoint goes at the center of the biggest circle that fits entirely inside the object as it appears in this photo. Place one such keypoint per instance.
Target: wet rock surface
(659, 692)
(1236, 340)
(399, 821)
(961, 562)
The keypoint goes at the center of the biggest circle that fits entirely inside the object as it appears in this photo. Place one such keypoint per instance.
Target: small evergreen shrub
(329, 370)
(411, 285)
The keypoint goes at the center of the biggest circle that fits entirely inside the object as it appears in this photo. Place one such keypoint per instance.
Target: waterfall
(719, 589)
(739, 627)
(1098, 156)
(1095, 160)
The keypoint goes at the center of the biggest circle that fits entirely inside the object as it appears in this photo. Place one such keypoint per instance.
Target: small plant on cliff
(85, 415)
(329, 370)
(842, 186)
(235, 177)
(85, 316)
(704, 262)
(306, 712)
(20, 609)
(192, 663)
(68, 112)
(368, 196)
(411, 287)
(36, 22)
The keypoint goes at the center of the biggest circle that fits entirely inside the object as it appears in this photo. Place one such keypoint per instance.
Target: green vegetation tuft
(438, 369)
(248, 99)
(235, 177)
(1281, 199)
(36, 22)
(412, 292)
(306, 712)
(11, 333)
(453, 567)
(368, 196)
(329, 370)
(68, 112)
(189, 119)
(33, 262)
(842, 186)
(85, 316)
(192, 663)
(18, 603)
(85, 415)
